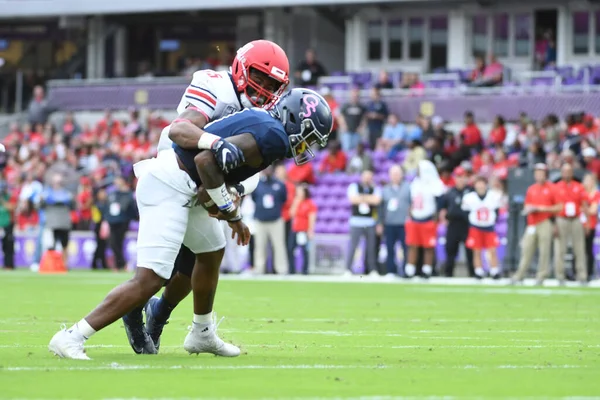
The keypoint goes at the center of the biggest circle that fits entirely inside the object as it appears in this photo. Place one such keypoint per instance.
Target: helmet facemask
(263, 90)
(301, 143)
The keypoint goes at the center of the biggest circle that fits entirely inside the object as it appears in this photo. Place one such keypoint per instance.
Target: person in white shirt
(483, 206)
(421, 229)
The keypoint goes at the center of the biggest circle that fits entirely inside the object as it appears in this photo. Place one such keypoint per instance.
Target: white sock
(427, 270)
(410, 270)
(479, 271)
(84, 329)
(205, 319)
(494, 270)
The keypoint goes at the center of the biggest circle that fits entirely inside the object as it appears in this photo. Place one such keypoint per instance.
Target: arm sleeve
(442, 201)
(439, 202)
(352, 190)
(249, 184)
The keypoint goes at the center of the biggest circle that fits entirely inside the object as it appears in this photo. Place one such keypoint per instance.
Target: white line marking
(117, 366)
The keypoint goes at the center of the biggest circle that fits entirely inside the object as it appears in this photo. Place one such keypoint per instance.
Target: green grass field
(314, 340)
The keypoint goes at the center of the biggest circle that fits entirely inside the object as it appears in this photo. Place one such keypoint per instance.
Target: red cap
(459, 171)
(85, 180)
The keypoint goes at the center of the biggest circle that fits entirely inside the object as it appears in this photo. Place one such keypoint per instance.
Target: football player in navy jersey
(241, 145)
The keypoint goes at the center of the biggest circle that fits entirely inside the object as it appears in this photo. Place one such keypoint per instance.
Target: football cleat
(68, 344)
(154, 327)
(205, 340)
(140, 341)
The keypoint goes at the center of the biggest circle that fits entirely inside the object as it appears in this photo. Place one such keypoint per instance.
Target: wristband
(222, 198)
(207, 140)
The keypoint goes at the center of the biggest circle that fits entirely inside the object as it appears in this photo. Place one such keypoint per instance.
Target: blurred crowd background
(423, 86)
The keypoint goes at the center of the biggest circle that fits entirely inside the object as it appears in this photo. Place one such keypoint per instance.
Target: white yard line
(137, 367)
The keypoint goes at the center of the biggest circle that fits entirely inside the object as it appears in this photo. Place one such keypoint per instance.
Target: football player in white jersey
(259, 75)
(483, 206)
(421, 229)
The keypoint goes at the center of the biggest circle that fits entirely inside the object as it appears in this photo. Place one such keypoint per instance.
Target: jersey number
(483, 214)
(212, 74)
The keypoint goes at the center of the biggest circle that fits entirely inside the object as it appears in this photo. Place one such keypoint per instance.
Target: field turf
(314, 340)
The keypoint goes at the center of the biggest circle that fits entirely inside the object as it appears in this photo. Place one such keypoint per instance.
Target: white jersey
(212, 93)
(482, 211)
(424, 191)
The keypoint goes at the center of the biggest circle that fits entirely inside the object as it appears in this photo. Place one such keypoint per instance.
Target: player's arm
(186, 130)
(353, 195)
(246, 187)
(213, 177)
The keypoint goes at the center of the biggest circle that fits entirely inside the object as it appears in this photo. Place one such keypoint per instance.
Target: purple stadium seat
(542, 81)
(361, 78)
(442, 83)
(565, 71)
(570, 81)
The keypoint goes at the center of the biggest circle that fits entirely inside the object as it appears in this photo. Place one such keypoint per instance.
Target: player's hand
(242, 232)
(227, 216)
(228, 155)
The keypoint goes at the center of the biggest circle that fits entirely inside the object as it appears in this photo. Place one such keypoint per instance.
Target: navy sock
(162, 309)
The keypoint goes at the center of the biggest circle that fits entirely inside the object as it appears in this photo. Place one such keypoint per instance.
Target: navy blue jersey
(268, 132)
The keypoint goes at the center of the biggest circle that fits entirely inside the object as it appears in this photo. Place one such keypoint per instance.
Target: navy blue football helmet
(307, 120)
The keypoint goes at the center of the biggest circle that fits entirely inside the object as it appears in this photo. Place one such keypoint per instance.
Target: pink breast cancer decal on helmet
(311, 103)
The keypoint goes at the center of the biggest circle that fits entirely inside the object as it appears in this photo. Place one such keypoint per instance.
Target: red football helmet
(261, 71)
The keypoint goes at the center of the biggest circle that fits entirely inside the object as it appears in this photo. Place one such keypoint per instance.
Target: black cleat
(140, 341)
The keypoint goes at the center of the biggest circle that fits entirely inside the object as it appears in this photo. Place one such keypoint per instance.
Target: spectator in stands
(470, 134)
(416, 154)
(304, 173)
(8, 203)
(550, 56)
(109, 125)
(457, 221)
(280, 173)
(590, 183)
(335, 160)
(39, 108)
(383, 81)
(591, 161)
(335, 111)
(550, 132)
(541, 45)
(540, 207)
(353, 116)
(492, 74)
(411, 82)
(101, 229)
(309, 70)
(85, 201)
(498, 133)
(304, 217)
(533, 155)
(122, 210)
(360, 161)
(57, 203)
(394, 134)
(70, 127)
(269, 197)
(365, 198)
(393, 212)
(573, 198)
(476, 74)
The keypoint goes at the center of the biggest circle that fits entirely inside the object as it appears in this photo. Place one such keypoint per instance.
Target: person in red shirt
(109, 124)
(540, 207)
(280, 173)
(592, 163)
(470, 134)
(498, 133)
(84, 204)
(14, 136)
(304, 215)
(302, 173)
(335, 160)
(573, 199)
(590, 183)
